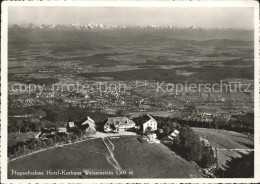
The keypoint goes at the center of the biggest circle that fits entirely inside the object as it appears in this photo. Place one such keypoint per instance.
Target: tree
(58, 139)
(207, 158)
(148, 130)
(20, 150)
(44, 144)
(50, 141)
(55, 139)
(166, 129)
(31, 147)
(63, 139)
(36, 146)
(189, 145)
(16, 154)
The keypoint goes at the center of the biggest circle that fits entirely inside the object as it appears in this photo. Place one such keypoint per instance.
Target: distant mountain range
(24, 32)
(93, 26)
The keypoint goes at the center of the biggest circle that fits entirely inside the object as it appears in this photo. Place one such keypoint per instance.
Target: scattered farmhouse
(46, 131)
(71, 124)
(87, 125)
(151, 138)
(149, 121)
(174, 134)
(115, 124)
(171, 137)
(61, 129)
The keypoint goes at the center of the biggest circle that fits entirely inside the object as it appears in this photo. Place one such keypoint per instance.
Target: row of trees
(232, 125)
(30, 125)
(23, 126)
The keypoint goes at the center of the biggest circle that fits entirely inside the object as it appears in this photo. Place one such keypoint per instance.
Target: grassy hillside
(77, 157)
(151, 160)
(225, 139)
(225, 142)
(143, 159)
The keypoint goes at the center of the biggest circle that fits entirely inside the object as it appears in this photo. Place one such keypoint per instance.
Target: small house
(174, 134)
(71, 124)
(88, 125)
(171, 137)
(149, 121)
(61, 130)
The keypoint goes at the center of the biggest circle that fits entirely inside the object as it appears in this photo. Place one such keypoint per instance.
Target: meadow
(143, 160)
(230, 145)
(151, 160)
(77, 157)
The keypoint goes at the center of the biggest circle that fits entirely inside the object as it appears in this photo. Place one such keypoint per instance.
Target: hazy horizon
(242, 18)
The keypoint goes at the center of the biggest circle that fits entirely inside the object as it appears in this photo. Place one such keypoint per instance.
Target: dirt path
(113, 146)
(223, 149)
(111, 159)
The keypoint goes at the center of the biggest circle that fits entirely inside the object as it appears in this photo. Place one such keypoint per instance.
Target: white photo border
(4, 85)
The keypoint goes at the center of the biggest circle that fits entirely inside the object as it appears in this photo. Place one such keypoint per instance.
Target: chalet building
(171, 137)
(116, 124)
(70, 124)
(87, 125)
(46, 131)
(149, 121)
(61, 130)
(152, 137)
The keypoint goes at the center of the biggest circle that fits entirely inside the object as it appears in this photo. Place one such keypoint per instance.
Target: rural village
(75, 132)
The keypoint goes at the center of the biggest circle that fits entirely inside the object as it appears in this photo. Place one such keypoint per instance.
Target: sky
(139, 16)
